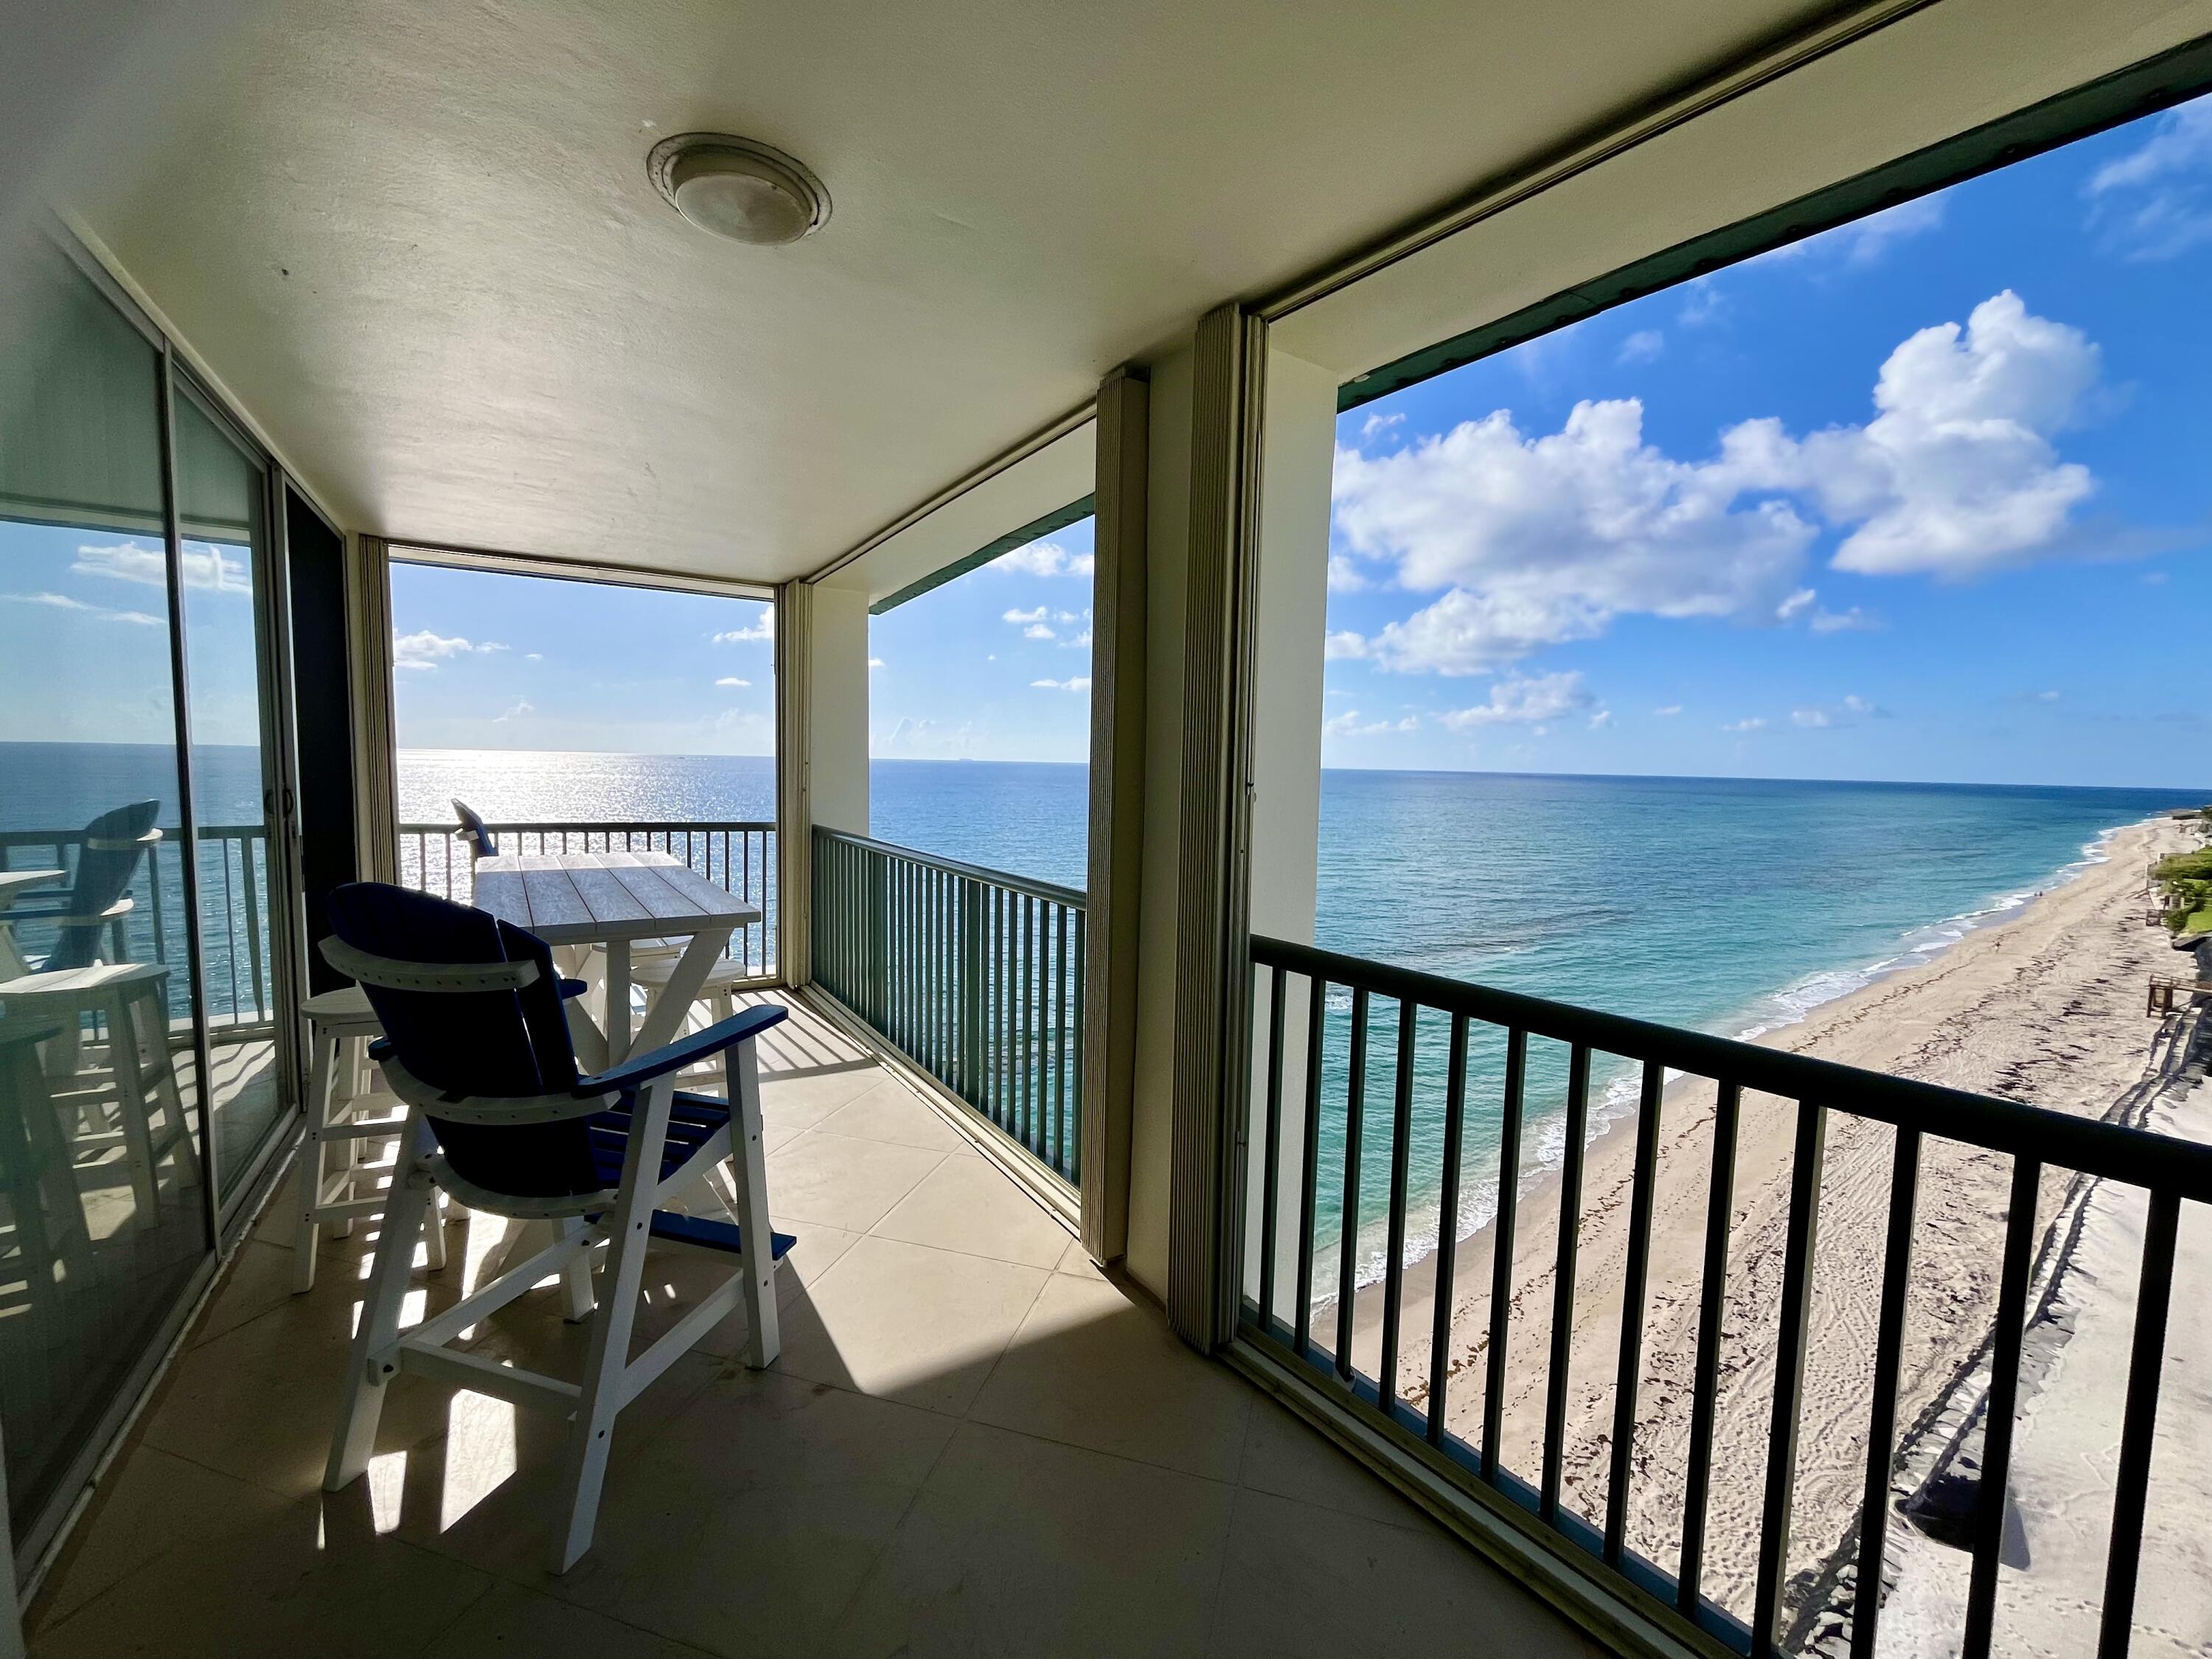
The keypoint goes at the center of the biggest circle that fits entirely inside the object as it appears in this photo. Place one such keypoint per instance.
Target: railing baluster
(1028, 1022)
(2131, 1482)
(1727, 1107)
(250, 881)
(1447, 1230)
(229, 937)
(1501, 1262)
(1562, 1283)
(1788, 1372)
(1271, 1140)
(1309, 1165)
(1076, 1082)
(1003, 980)
(1987, 1521)
(1881, 1415)
(1393, 1269)
(1629, 1373)
(1062, 1052)
(1347, 1250)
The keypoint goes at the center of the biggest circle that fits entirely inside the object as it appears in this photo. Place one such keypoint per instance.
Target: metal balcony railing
(234, 890)
(976, 976)
(1452, 1052)
(738, 853)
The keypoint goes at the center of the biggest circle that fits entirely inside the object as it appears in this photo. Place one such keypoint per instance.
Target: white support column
(1167, 550)
(1297, 452)
(837, 714)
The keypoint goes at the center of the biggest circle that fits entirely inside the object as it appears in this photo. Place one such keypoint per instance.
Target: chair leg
(347, 1087)
(307, 1188)
(749, 1172)
(368, 1368)
(123, 1059)
(593, 1432)
(576, 1279)
(172, 1100)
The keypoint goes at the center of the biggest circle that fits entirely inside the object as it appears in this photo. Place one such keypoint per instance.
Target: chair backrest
(472, 830)
(107, 857)
(481, 1044)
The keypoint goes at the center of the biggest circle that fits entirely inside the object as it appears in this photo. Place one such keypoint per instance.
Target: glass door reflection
(103, 1204)
(221, 500)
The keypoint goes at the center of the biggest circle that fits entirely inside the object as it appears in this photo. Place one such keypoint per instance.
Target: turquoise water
(1729, 906)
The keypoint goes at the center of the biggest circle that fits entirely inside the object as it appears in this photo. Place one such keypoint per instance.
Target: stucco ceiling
(418, 242)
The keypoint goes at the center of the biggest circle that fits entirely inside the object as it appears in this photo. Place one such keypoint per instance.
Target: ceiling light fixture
(738, 189)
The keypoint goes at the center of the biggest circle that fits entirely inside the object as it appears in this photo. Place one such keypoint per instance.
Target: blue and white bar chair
(477, 1044)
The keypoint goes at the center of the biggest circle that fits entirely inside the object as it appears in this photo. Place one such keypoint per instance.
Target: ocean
(1729, 906)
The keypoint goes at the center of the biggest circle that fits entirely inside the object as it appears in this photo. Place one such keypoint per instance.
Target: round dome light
(738, 189)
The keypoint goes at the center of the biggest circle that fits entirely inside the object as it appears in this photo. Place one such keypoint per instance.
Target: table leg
(674, 1005)
(617, 1001)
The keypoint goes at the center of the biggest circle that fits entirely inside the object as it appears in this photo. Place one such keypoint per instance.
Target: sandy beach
(2046, 1007)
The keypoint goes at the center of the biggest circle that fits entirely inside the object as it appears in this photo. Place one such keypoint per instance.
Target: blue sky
(1924, 498)
(487, 661)
(994, 665)
(84, 639)
(1927, 497)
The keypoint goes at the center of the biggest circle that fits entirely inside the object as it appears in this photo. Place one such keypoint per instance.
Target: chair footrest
(704, 1233)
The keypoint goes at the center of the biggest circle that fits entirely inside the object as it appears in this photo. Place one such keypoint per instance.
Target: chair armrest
(684, 1051)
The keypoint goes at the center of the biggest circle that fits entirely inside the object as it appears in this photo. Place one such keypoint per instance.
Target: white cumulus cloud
(96, 612)
(1524, 702)
(204, 567)
(1078, 682)
(1045, 559)
(762, 630)
(1349, 725)
(1642, 347)
(1343, 645)
(1536, 540)
(2156, 201)
(1018, 617)
(426, 649)
(731, 679)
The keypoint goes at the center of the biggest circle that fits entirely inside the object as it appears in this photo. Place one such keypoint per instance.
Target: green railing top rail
(2141, 1158)
(1052, 892)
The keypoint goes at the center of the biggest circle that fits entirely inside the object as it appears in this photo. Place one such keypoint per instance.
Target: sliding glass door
(222, 494)
(146, 961)
(104, 1212)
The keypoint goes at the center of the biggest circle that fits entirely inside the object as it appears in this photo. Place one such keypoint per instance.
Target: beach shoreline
(2042, 1002)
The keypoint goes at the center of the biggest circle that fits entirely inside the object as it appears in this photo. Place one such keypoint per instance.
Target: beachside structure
(1058, 1349)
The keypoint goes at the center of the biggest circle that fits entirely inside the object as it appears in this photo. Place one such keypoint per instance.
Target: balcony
(974, 1442)
(1163, 1282)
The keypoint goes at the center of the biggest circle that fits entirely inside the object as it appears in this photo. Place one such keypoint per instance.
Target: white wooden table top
(13, 882)
(584, 898)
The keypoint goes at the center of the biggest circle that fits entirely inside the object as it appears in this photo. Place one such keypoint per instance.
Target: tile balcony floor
(973, 1442)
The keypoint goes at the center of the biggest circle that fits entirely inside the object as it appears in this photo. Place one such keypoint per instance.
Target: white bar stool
(651, 974)
(326, 1188)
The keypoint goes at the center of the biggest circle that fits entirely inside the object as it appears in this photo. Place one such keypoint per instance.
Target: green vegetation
(2187, 879)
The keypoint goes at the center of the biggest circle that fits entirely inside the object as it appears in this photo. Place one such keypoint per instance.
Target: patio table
(13, 882)
(613, 899)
